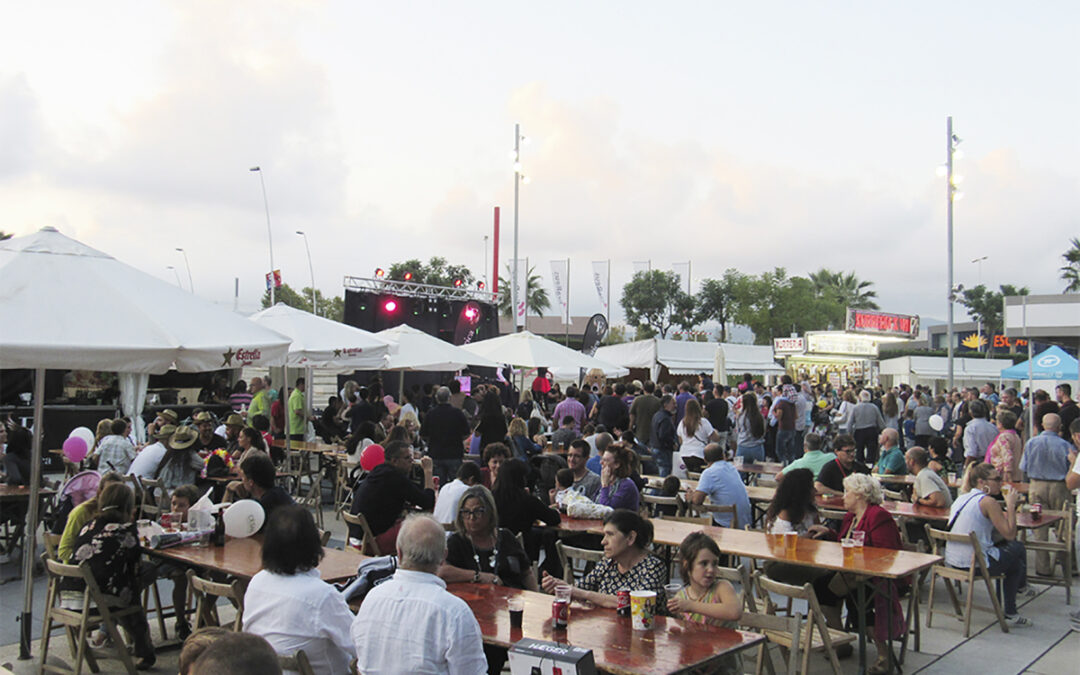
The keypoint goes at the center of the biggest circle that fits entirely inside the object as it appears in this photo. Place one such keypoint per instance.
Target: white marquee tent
(321, 343)
(691, 358)
(64, 305)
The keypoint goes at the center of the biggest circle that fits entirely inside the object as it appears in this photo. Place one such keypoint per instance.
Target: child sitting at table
(669, 488)
(706, 598)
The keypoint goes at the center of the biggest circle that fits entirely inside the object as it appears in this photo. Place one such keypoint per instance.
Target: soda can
(1036, 511)
(623, 608)
(167, 520)
(560, 614)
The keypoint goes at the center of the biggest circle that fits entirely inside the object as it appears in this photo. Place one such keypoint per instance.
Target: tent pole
(29, 542)
(401, 386)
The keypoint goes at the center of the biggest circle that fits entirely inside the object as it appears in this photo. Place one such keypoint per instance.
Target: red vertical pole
(495, 257)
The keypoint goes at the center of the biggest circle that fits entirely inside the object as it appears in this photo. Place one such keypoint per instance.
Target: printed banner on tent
(522, 291)
(601, 270)
(560, 272)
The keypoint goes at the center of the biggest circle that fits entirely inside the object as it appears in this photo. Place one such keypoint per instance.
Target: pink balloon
(372, 456)
(75, 449)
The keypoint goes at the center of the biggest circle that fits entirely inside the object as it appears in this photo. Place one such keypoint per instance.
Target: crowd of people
(498, 473)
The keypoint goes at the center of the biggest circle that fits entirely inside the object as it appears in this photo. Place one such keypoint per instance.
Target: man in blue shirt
(1046, 462)
(720, 482)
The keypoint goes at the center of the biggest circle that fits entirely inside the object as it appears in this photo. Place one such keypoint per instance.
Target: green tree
(616, 336)
(436, 272)
(844, 288)
(1070, 272)
(775, 305)
(535, 293)
(655, 300)
(331, 308)
(986, 306)
(717, 300)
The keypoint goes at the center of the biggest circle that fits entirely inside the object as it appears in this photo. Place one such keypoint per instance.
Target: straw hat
(234, 420)
(164, 432)
(183, 438)
(204, 417)
(169, 415)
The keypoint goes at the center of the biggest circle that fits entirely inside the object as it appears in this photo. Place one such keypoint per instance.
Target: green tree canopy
(1070, 272)
(655, 300)
(331, 308)
(775, 305)
(535, 293)
(436, 272)
(717, 300)
(986, 306)
(843, 288)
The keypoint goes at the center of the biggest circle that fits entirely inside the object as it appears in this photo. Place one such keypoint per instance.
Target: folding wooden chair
(155, 499)
(938, 540)
(367, 542)
(313, 500)
(816, 636)
(207, 592)
(650, 502)
(298, 662)
(569, 554)
(789, 626)
(324, 537)
(894, 495)
(94, 612)
(710, 510)
(342, 485)
(692, 475)
(1061, 550)
(52, 543)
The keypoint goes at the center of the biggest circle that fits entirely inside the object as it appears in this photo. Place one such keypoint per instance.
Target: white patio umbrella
(416, 350)
(532, 351)
(65, 305)
(318, 342)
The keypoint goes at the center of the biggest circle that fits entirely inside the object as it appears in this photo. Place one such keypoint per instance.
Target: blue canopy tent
(1051, 364)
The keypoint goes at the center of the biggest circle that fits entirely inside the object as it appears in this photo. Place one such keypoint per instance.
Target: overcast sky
(730, 134)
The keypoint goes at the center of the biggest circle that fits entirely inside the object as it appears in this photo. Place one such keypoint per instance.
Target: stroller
(79, 488)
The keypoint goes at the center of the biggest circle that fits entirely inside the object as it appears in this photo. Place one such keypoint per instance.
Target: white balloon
(244, 518)
(937, 423)
(85, 434)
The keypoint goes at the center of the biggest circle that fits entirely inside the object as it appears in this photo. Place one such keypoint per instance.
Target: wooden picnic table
(672, 646)
(242, 558)
(308, 446)
(13, 493)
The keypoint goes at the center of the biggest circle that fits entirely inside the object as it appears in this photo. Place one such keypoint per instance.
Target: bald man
(1046, 462)
(892, 457)
(411, 623)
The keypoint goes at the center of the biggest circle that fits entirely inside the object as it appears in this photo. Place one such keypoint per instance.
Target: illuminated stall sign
(869, 322)
(788, 345)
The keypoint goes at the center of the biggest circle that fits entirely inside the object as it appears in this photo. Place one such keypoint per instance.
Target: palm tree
(1070, 273)
(535, 294)
(843, 288)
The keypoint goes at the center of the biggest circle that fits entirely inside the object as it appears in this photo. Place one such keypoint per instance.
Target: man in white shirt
(410, 623)
(145, 464)
(446, 504)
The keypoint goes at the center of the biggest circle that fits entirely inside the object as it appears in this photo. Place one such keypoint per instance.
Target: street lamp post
(978, 326)
(517, 183)
(314, 307)
(486, 280)
(177, 274)
(191, 284)
(269, 234)
(952, 141)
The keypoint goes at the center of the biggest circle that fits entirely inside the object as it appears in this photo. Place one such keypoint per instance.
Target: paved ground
(1048, 648)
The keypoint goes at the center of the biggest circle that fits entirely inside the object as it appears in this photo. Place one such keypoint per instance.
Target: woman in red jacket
(862, 499)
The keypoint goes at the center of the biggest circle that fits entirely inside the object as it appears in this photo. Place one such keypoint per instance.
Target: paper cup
(642, 604)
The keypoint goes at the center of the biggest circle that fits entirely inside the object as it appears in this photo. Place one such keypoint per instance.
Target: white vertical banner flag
(682, 271)
(522, 290)
(600, 280)
(558, 284)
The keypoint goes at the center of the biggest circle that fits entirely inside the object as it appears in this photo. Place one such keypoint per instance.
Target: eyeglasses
(846, 451)
(474, 513)
(994, 479)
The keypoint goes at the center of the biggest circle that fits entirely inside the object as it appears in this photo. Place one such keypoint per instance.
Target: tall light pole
(978, 327)
(177, 274)
(314, 307)
(517, 183)
(188, 265)
(952, 141)
(269, 234)
(486, 285)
